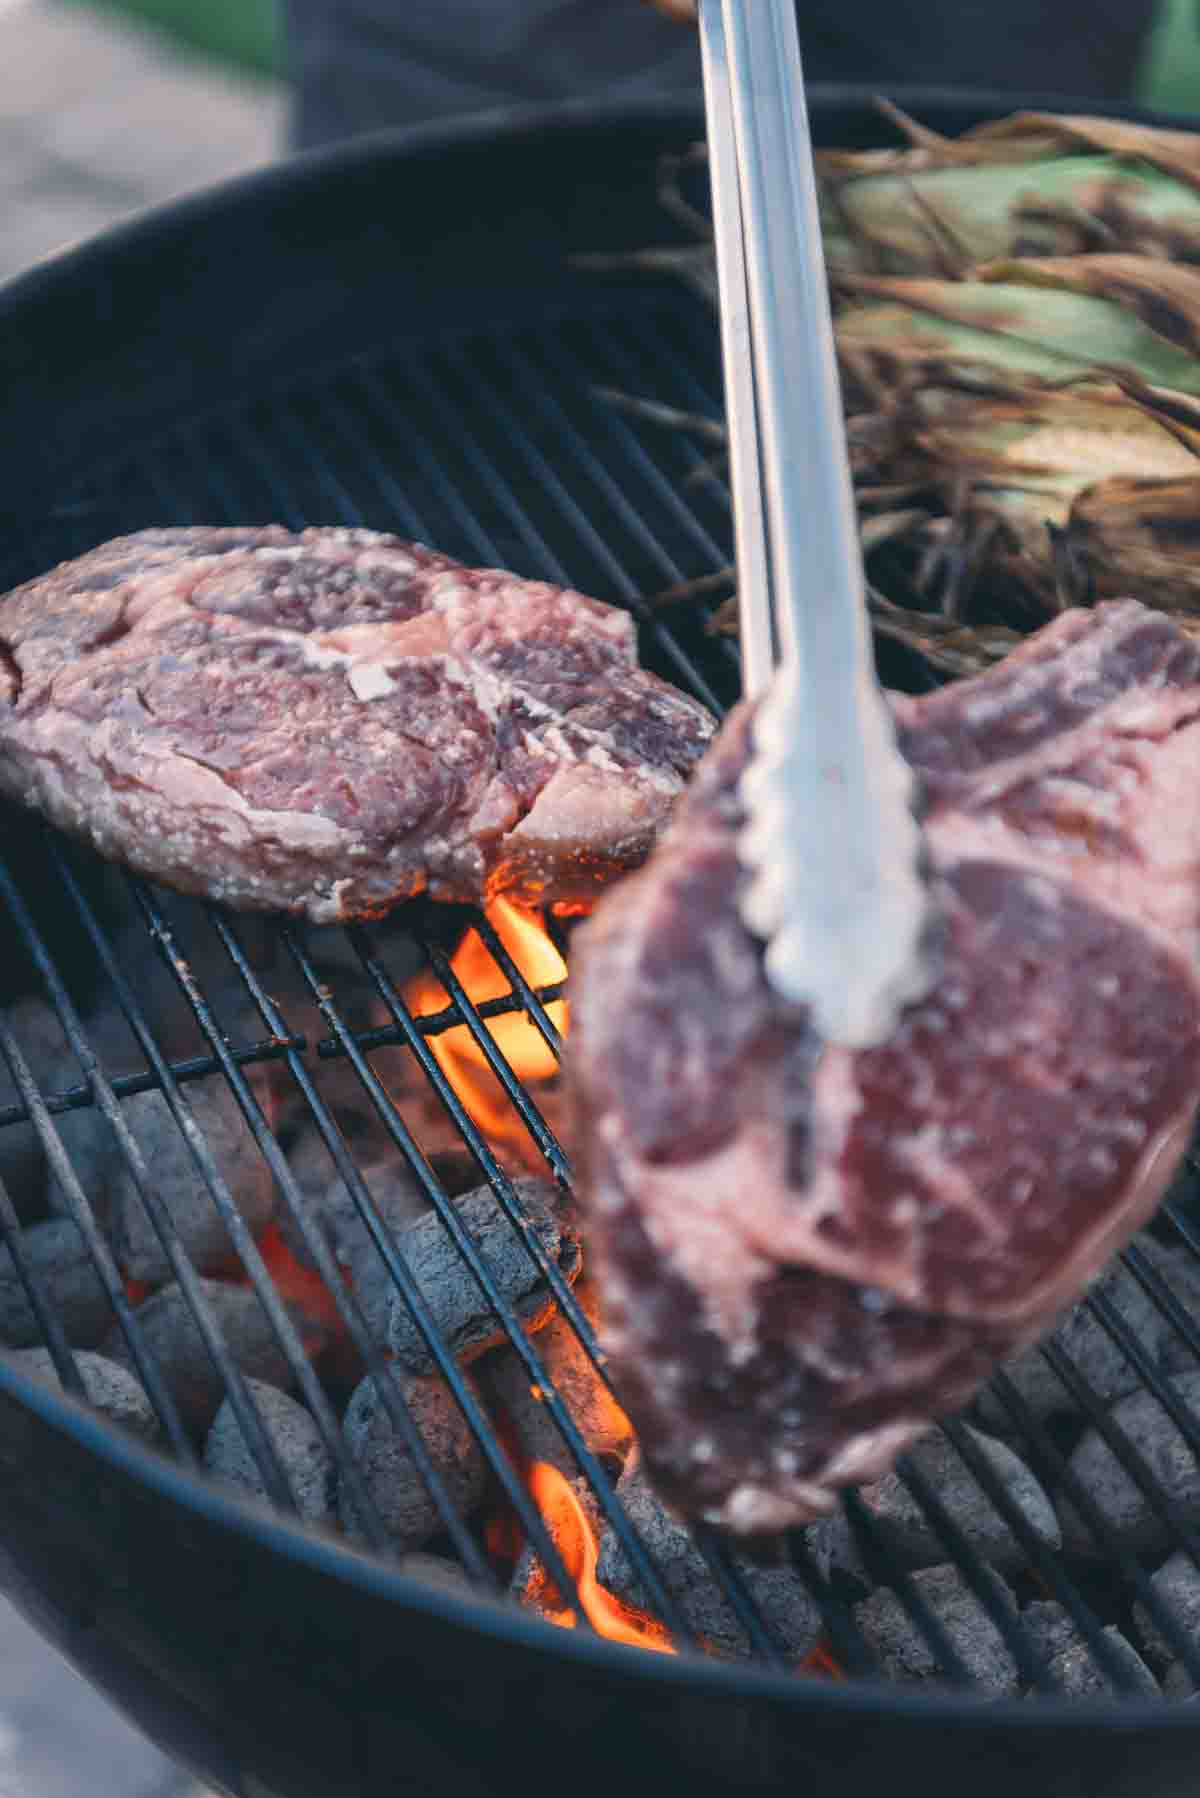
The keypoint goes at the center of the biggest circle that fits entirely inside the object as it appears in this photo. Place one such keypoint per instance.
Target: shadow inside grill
(279, 1200)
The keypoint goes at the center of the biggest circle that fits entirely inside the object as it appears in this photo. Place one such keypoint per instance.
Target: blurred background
(104, 110)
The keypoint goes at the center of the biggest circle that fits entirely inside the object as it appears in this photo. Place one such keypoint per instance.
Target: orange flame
(576, 1542)
(515, 1034)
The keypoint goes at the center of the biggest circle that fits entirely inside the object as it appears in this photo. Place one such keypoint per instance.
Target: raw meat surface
(332, 721)
(807, 1254)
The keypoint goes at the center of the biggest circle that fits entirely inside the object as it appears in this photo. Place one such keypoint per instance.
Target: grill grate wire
(496, 449)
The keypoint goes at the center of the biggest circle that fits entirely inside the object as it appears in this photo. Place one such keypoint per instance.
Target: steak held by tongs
(820, 1226)
(809, 1253)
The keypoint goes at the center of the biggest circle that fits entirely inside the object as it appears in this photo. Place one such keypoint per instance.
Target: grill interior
(497, 448)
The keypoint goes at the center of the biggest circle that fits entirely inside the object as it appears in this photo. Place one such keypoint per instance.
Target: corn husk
(1024, 430)
(1027, 499)
(1028, 185)
(1048, 320)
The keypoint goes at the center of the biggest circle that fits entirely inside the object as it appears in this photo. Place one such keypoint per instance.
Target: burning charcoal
(111, 1389)
(1180, 1269)
(463, 1317)
(778, 1592)
(1128, 1511)
(402, 1498)
(399, 1200)
(306, 1462)
(905, 1655)
(173, 1338)
(1177, 1682)
(599, 1419)
(1088, 1346)
(180, 1185)
(85, 1134)
(1076, 1673)
(1072, 1667)
(574, 1529)
(353, 1112)
(912, 1537)
(56, 1251)
(1177, 1585)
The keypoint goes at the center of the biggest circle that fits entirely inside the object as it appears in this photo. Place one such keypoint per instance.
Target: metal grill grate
(497, 449)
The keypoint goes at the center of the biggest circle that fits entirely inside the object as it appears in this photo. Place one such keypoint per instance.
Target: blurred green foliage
(249, 34)
(1170, 75)
(246, 33)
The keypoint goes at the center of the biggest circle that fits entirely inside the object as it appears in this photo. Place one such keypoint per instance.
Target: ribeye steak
(331, 721)
(807, 1254)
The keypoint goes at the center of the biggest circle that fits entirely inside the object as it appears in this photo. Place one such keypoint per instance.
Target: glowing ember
(576, 1542)
(820, 1661)
(515, 1034)
(302, 1288)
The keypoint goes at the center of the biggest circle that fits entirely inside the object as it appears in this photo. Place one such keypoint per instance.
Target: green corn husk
(1025, 436)
(1028, 185)
(1050, 320)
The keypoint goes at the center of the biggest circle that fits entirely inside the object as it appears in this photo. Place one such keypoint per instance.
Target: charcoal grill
(396, 334)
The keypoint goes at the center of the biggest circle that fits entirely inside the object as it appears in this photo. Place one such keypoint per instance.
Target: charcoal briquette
(111, 1389)
(777, 1592)
(572, 1373)
(173, 1338)
(464, 1319)
(306, 1462)
(1072, 1668)
(55, 1251)
(180, 1186)
(1089, 1348)
(409, 1512)
(398, 1201)
(910, 1535)
(905, 1654)
(1132, 1518)
(1176, 1585)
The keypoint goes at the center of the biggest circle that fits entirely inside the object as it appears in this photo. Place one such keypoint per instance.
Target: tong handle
(818, 584)
(831, 845)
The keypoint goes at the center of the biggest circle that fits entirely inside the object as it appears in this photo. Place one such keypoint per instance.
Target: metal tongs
(831, 844)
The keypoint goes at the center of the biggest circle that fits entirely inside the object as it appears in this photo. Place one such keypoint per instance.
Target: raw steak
(806, 1254)
(329, 722)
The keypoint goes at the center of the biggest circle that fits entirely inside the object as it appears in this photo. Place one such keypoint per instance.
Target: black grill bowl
(396, 334)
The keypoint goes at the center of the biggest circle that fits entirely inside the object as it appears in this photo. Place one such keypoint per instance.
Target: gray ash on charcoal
(1134, 1521)
(84, 1134)
(906, 1655)
(173, 1337)
(55, 1253)
(110, 1388)
(306, 1462)
(778, 1592)
(909, 1534)
(408, 1509)
(1177, 1584)
(1072, 1667)
(1180, 1272)
(180, 1186)
(464, 1318)
(1088, 1346)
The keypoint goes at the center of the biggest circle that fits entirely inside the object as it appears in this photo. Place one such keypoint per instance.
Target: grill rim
(863, 1697)
(88, 265)
(873, 1697)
